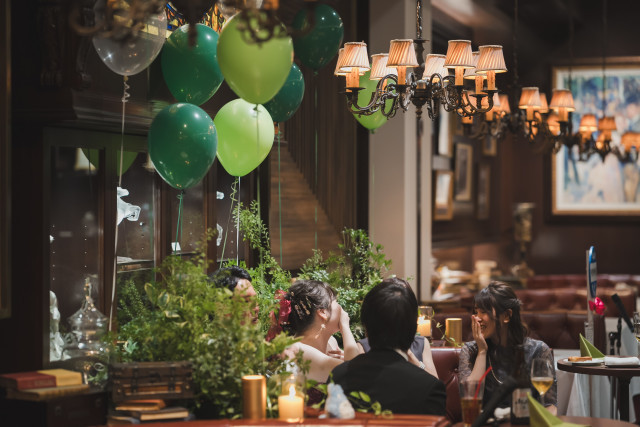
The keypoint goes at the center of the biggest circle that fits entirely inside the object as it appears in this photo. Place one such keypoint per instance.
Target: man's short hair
(389, 314)
(228, 277)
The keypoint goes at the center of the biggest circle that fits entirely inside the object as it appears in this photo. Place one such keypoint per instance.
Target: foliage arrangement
(357, 267)
(183, 317)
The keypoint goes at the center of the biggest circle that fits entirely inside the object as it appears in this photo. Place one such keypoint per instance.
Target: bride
(310, 310)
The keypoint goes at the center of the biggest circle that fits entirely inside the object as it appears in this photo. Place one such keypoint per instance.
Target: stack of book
(141, 411)
(42, 385)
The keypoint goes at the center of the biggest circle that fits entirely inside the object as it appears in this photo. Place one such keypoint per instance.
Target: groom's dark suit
(389, 379)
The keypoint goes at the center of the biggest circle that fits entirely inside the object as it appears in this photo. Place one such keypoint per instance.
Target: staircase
(298, 213)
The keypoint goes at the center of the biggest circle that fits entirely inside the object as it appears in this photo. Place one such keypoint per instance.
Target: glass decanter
(85, 350)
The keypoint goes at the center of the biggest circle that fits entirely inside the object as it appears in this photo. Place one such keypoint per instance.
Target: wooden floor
(298, 213)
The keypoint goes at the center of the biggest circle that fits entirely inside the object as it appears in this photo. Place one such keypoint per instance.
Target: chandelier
(403, 81)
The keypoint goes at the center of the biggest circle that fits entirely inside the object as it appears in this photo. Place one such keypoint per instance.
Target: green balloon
(287, 101)
(192, 73)
(316, 48)
(377, 119)
(254, 71)
(182, 144)
(128, 158)
(245, 133)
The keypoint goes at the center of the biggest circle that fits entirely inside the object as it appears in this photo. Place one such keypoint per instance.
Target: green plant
(268, 276)
(357, 267)
(187, 318)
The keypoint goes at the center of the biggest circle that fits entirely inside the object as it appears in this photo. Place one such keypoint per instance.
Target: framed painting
(463, 172)
(484, 186)
(490, 146)
(443, 195)
(597, 187)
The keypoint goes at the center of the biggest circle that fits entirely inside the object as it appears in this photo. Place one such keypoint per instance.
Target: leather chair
(446, 360)
(575, 299)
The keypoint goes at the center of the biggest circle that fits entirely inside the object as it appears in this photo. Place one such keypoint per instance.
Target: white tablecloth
(590, 396)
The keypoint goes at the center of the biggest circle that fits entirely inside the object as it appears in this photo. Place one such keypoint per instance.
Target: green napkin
(588, 349)
(540, 417)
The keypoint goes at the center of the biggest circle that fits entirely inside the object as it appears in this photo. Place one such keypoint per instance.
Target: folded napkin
(626, 361)
(588, 349)
(540, 417)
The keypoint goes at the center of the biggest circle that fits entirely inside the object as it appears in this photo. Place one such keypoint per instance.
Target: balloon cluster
(183, 140)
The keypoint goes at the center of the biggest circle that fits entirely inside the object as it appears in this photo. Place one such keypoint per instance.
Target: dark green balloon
(182, 144)
(316, 48)
(288, 99)
(192, 73)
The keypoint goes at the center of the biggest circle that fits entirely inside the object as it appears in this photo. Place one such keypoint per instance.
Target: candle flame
(292, 391)
(421, 320)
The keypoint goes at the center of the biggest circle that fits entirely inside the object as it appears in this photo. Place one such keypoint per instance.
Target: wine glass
(541, 376)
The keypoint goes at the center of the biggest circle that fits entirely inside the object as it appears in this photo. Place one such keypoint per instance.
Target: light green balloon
(254, 71)
(245, 136)
(377, 119)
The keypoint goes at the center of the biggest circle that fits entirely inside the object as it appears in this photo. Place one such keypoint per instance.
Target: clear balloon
(132, 56)
(245, 136)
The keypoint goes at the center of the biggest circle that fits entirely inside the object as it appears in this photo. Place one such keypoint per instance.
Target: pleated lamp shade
(530, 98)
(491, 59)
(471, 73)
(630, 140)
(562, 103)
(607, 124)
(544, 107)
(504, 103)
(562, 98)
(379, 67)
(402, 54)
(355, 56)
(588, 124)
(339, 64)
(434, 64)
(459, 54)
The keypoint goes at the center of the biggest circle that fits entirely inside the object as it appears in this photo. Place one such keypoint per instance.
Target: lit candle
(290, 407)
(453, 330)
(424, 326)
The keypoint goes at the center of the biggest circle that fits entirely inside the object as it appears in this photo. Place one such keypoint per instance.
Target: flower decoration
(597, 306)
(283, 315)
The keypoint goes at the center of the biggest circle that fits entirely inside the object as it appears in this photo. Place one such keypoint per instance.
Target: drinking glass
(541, 376)
(471, 393)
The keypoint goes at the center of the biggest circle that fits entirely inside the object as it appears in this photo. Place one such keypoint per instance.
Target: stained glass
(212, 18)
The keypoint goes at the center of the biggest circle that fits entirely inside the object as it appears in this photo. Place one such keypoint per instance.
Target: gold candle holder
(453, 331)
(254, 397)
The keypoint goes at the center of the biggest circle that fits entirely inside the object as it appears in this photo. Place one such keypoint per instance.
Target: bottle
(519, 399)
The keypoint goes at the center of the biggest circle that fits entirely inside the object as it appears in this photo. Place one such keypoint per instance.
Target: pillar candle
(254, 397)
(424, 326)
(290, 407)
(453, 329)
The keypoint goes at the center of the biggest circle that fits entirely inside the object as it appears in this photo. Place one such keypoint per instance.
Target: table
(360, 420)
(623, 375)
(589, 421)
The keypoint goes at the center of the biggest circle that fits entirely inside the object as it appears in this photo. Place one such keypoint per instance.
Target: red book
(27, 380)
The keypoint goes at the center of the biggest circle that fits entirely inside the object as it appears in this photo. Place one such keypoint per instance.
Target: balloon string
(125, 99)
(234, 186)
(315, 131)
(279, 194)
(238, 224)
(372, 212)
(178, 224)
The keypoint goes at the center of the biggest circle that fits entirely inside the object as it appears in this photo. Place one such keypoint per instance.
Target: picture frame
(483, 201)
(443, 195)
(598, 188)
(449, 126)
(490, 146)
(463, 172)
